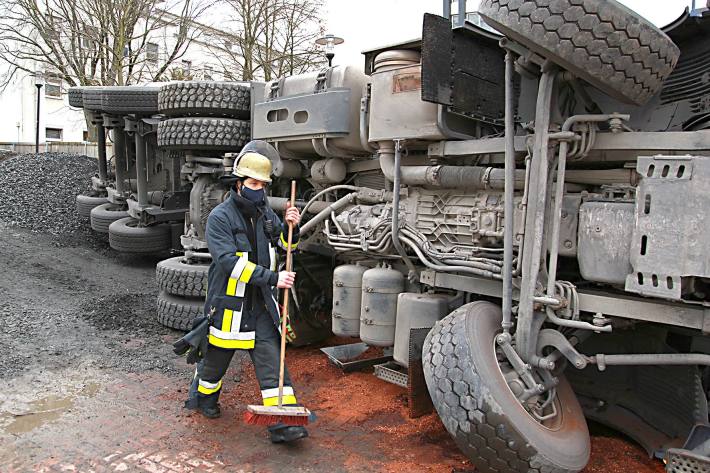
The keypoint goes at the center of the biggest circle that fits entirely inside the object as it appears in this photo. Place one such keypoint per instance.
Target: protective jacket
(241, 237)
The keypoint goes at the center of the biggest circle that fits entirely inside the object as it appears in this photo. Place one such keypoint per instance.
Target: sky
(367, 24)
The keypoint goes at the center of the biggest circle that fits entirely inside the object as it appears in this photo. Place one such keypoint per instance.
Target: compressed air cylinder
(380, 288)
(347, 295)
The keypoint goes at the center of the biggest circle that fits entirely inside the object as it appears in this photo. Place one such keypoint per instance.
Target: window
(85, 135)
(186, 65)
(53, 85)
(151, 53)
(53, 134)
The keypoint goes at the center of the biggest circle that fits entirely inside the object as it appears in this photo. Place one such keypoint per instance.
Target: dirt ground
(91, 384)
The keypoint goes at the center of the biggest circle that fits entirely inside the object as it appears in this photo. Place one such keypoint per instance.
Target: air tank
(380, 288)
(416, 311)
(347, 295)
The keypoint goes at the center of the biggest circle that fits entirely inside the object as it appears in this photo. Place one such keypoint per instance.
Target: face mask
(255, 196)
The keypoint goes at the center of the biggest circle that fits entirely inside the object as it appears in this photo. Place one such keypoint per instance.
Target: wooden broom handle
(284, 311)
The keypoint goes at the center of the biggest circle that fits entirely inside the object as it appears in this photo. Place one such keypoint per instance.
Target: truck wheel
(76, 99)
(222, 99)
(179, 278)
(209, 134)
(125, 235)
(600, 41)
(102, 216)
(478, 408)
(130, 100)
(92, 98)
(85, 203)
(178, 312)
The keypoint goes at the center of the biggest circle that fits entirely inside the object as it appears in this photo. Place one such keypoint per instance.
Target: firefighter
(241, 304)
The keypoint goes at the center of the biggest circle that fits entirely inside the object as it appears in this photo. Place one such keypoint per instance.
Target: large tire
(176, 277)
(125, 235)
(480, 411)
(600, 41)
(210, 134)
(138, 100)
(225, 99)
(92, 98)
(76, 99)
(102, 216)
(178, 312)
(85, 203)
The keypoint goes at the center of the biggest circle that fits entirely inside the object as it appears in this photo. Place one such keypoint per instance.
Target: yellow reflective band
(227, 320)
(231, 344)
(248, 270)
(206, 390)
(274, 401)
(284, 243)
(232, 287)
(239, 253)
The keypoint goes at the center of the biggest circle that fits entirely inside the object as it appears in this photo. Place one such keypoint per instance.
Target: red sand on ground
(377, 410)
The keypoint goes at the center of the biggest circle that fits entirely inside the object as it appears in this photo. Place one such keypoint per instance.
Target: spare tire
(477, 406)
(179, 278)
(138, 100)
(85, 203)
(178, 312)
(210, 134)
(600, 41)
(126, 235)
(225, 99)
(92, 98)
(76, 99)
(102, 216)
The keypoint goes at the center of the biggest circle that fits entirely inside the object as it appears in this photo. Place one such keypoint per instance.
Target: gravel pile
(38, 191)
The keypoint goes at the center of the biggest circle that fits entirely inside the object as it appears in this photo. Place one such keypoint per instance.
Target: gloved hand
(290, 334)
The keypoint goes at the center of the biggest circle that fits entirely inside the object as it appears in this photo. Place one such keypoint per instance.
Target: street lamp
(329, 41)
(39, 82)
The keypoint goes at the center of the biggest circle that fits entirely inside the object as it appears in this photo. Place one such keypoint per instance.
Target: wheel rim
(545, 412)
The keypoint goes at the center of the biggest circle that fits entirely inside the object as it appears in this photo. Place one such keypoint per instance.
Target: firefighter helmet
(254, 165)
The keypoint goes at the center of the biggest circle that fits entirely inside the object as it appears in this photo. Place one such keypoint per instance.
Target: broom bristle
(262, 419)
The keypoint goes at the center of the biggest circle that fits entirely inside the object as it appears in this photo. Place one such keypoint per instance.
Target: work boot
(281, 433)
(205, 404)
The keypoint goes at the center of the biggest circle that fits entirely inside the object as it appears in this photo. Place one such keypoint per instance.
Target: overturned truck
(525, 216)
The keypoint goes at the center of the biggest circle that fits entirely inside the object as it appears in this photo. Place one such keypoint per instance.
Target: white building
(58, 122)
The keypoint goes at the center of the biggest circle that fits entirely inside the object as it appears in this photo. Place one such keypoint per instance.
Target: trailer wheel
(178, 312)
(127, 236)
(209, 134)
(478, 408)
(76, 99)
(92, 98)
(600, 41)
(177, 277)
(85, 203)
(102, 216)
(222, 99)
(137, 100)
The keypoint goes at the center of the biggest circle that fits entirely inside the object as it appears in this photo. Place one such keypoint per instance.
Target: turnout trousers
(207, 382)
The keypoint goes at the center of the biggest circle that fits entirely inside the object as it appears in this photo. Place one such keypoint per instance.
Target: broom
(289, 415)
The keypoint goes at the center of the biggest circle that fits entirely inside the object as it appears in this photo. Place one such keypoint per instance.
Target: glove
(290, 334)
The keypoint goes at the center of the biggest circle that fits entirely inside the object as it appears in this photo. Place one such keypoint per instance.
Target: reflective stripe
(236, 335)
(231, 344)
(227, 320)
(288, 390)
(205, 387)
(274, 401)
(272, 258)
(284, 243)
(233, 283)
(248, 270)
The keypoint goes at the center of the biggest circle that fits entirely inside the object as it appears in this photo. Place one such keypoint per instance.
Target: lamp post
(329, 41)
(39, 82)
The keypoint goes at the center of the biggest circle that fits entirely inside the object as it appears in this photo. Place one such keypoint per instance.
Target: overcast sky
(366, 24)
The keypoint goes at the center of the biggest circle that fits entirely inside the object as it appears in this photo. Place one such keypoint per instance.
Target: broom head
(270, 415)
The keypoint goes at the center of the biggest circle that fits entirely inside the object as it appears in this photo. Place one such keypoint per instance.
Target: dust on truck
(523, 213)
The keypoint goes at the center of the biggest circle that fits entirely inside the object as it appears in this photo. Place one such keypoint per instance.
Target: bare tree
(96, 42)
(265, 39)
